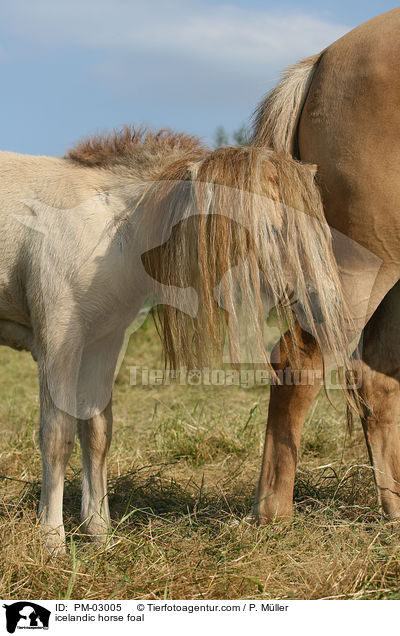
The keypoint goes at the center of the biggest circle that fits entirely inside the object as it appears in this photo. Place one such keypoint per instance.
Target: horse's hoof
(53, 541)
(254, 518)
(100, 534)
(105, 540)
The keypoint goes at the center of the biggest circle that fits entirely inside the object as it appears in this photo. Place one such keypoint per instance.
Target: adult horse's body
(340, 110)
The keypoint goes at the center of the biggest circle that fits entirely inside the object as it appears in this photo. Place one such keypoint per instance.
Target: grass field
(182, 471)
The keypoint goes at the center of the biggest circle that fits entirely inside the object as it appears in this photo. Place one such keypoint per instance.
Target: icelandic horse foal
(85, 239)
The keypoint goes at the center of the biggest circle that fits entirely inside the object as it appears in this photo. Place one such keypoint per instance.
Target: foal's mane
(132, 146)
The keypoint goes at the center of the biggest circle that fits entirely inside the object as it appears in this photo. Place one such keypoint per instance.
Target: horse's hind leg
(57, 433)
(380, 391)
(95, 438)
(288, 407)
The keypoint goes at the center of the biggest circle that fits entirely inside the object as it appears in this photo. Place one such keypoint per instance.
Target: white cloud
(187, 64)
(220, 33)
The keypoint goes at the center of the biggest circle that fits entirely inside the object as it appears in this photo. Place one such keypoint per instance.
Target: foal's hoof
(53, 541)
(100, 534)
(104, 540)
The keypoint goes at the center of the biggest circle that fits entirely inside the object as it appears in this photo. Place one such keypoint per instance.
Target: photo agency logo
(336, 378)
(26, 615)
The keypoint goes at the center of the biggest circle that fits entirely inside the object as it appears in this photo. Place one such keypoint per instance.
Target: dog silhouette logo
(26, 615)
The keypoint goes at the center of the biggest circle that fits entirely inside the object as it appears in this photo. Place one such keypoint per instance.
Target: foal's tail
(245, 228)
(277, 116)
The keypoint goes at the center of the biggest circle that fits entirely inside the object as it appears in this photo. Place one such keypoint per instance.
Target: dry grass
(183, 468)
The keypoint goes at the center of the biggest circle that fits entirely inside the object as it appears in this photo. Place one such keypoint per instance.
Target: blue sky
(73, 67)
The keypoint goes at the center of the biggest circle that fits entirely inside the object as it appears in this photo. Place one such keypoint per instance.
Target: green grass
(182, 471)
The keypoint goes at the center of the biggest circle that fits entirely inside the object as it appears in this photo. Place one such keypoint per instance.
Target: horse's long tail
(276, 117)
(275, 126)
(245, 227)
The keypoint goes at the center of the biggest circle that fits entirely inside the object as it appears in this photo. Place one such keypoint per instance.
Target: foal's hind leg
(57, 433)
(288, 407)
(381, 393)
(95, 438)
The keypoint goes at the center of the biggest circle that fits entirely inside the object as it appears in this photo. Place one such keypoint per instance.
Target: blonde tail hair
(275, 119)
(234, 224)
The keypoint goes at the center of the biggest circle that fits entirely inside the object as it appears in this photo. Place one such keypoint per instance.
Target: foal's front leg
(57, 433)
(95, 439)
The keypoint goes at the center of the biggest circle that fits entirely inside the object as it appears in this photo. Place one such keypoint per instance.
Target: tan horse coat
(340, 110)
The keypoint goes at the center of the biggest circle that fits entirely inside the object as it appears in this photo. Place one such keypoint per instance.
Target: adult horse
(340, 110)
